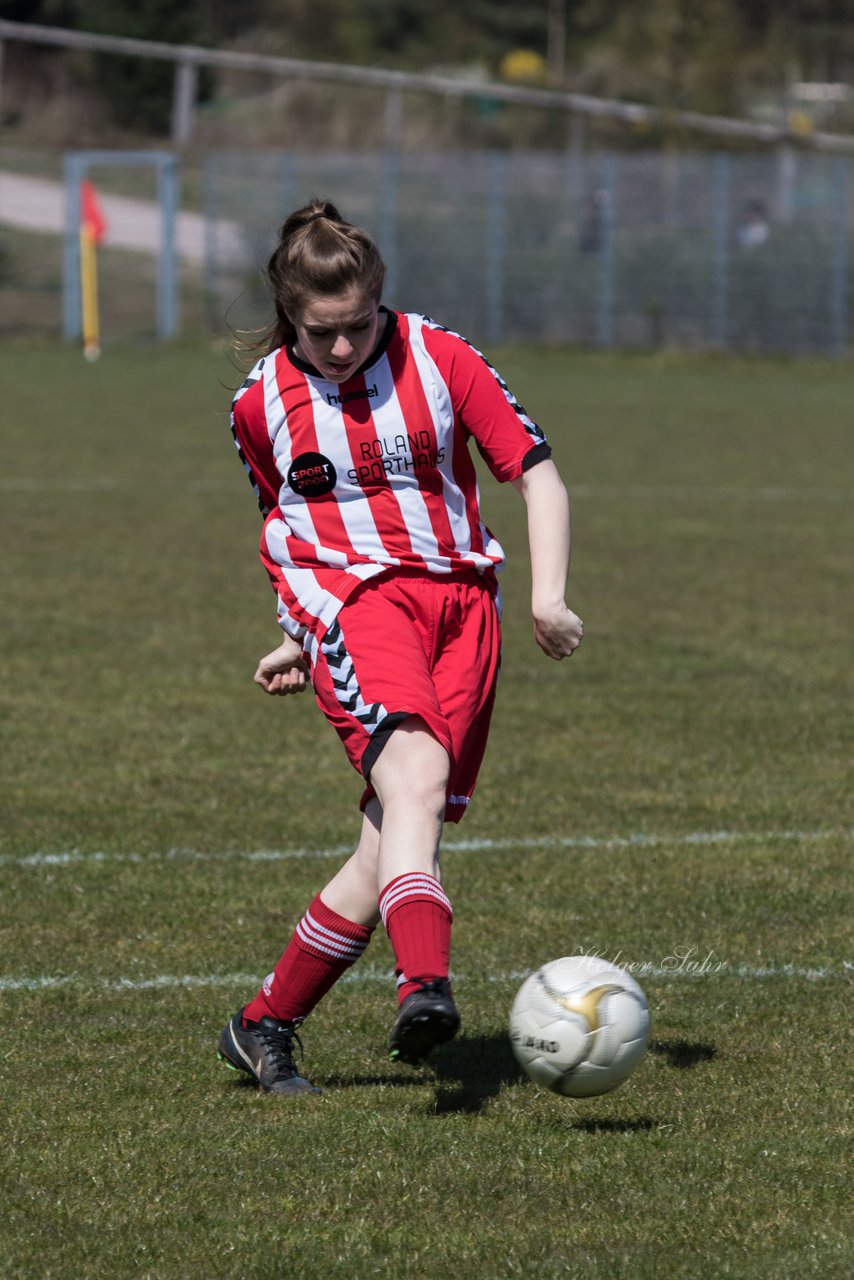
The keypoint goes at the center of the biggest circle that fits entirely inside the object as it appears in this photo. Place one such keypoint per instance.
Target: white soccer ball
(579, 1026)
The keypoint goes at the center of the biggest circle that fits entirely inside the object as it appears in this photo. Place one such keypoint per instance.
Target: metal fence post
(574, 157)
(210, 201)
(72, 322)
(496, 238)
(720, 259)
(787, 178)
(184, 102)
(671, 177)
(389, 185)
(287, 182)
(607, 259)
(167, 278)
(839, 257)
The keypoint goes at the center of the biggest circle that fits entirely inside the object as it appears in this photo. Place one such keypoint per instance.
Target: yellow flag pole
(89, 293)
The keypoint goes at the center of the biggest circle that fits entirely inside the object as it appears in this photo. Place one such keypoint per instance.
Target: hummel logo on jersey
(369, 392)
(311, 475)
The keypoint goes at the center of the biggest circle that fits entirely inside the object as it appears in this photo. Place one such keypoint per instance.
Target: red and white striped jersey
(358, 477)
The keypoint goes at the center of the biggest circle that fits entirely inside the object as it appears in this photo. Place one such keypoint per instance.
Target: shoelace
(279, 1040)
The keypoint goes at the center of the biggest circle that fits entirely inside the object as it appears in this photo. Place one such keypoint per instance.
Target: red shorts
(413, 645)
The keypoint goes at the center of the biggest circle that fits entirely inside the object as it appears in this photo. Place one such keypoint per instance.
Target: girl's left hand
(558, 631)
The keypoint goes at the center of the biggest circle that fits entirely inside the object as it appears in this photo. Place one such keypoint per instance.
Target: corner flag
(91, 213)
(93, 226)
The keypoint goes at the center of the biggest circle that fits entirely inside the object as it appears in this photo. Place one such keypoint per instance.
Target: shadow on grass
(471, 1070)
(328, 1082)
(468, 1071)
(376, 1081)
(608, 1125)
(239, 1080)
(683, 1053)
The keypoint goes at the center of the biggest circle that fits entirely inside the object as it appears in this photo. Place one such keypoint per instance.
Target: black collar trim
(379, 350)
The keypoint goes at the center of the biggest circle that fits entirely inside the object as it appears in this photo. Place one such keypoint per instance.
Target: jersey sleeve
(249, 429)
(509, 441)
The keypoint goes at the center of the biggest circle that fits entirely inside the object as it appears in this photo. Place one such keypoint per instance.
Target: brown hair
(319, 252)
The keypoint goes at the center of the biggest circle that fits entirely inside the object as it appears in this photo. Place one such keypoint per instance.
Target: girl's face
(336, 334)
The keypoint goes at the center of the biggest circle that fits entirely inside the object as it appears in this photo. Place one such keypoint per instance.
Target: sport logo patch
(311, 475)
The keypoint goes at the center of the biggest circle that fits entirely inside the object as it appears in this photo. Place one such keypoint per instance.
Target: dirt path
(37, 204)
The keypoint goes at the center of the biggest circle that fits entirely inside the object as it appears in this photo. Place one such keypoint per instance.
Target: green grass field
(678, 791)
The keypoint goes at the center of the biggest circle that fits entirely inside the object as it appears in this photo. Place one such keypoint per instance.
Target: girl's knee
(413, 767)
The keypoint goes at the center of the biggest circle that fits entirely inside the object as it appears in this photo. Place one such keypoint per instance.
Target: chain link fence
(736, 251)
(740, 252)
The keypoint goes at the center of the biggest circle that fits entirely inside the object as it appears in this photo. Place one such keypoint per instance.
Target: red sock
(417, 916)
(323, 946)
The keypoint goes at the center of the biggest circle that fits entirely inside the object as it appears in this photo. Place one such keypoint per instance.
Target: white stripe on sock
(355, 945)
(325, 940)
(414, 885)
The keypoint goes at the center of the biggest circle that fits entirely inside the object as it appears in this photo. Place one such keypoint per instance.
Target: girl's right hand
(283, 670)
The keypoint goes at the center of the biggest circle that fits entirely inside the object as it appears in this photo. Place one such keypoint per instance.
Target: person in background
(754, 229)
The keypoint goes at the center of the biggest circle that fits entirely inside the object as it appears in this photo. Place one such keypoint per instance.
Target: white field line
(67, 484)
(674, 968)
(370, 974)
(764, 493)
(638, 840)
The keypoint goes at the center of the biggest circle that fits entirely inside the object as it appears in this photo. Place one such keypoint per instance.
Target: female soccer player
(354, 428)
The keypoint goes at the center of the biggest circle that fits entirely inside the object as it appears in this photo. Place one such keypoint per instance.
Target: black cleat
(265, 1051)
(428, 1017)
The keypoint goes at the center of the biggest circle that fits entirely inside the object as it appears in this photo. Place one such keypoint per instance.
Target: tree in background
(706, 55)
(713, 55)
(140, 90)
(49, 13)
(411, 34)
